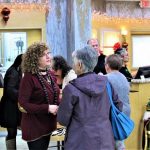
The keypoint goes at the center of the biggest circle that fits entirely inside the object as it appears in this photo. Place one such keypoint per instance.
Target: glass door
(11, 45)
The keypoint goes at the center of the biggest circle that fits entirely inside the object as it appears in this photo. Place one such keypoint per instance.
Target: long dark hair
(59, 62)
(17, 61)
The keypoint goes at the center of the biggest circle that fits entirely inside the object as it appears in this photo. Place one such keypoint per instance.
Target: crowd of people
(41, 90)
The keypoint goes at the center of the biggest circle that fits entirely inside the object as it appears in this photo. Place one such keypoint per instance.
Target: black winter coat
(100, 67)
(10, 116)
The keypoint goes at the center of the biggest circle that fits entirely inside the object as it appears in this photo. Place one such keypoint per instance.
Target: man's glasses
(96, 45)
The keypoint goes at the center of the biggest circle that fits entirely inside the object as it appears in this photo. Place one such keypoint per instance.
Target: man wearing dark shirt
(100, 67)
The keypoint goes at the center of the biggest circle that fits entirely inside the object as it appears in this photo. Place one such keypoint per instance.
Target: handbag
(122, 125)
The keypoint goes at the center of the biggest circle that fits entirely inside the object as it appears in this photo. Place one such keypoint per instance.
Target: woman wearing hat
(123, 53)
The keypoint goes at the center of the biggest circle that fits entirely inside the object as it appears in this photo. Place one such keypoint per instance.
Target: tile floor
(21, 144)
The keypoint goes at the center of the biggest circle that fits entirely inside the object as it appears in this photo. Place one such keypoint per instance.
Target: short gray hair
(88, 56)
(121, 51)
(114, 61)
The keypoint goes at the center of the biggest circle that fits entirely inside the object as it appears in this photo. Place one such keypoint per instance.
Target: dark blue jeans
(40, 144)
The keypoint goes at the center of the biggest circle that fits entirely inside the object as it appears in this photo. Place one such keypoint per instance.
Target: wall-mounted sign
(145, 3)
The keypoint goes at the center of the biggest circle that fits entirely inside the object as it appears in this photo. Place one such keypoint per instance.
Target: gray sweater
(122, 88)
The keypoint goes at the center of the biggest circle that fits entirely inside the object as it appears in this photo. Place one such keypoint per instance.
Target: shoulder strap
(109, 93)
(114, 108)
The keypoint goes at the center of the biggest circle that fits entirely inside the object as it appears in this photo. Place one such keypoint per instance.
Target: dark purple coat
(37, 122)
(84, 110)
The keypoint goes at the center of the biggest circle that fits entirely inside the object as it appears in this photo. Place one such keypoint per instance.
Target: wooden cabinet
(139, 96)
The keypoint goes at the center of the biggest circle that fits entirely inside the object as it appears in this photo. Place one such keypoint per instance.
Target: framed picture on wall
(109, 38)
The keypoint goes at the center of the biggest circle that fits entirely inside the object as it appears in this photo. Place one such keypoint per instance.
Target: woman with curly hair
(63, 72)
(38, 97)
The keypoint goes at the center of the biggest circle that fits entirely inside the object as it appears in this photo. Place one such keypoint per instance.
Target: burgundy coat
(37, 122)
(85, 110)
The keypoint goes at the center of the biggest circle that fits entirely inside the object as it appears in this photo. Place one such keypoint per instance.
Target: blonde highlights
(31, 57)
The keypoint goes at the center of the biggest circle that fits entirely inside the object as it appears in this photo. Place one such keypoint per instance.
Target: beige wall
(133, 26)
(32, 21)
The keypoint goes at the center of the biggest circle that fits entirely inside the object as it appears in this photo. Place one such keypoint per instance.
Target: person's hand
(53, 109)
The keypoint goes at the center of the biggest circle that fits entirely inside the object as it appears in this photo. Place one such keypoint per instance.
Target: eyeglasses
(46, 54)
(96, 45)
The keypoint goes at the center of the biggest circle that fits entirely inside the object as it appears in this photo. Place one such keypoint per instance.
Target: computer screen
(143, 71)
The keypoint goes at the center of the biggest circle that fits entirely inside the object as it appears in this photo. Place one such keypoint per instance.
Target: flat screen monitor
(143, 71)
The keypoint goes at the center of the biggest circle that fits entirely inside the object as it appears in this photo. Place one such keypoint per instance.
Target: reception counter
(139, 96)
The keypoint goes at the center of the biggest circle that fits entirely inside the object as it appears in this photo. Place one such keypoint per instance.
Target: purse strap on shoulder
(110, 98)
(109, 93)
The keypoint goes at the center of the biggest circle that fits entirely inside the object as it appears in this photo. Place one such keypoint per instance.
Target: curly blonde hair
(30, 61)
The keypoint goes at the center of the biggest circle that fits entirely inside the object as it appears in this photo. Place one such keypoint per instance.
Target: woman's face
(58, 74)
(45, 60)
(126, 57)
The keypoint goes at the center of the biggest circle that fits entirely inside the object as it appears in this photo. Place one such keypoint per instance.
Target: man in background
(100, 67)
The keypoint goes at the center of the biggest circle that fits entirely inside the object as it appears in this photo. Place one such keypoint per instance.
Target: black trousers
(40, 144)
(12, 133)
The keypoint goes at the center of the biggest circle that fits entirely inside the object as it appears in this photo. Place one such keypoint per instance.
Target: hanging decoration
(5, 13)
